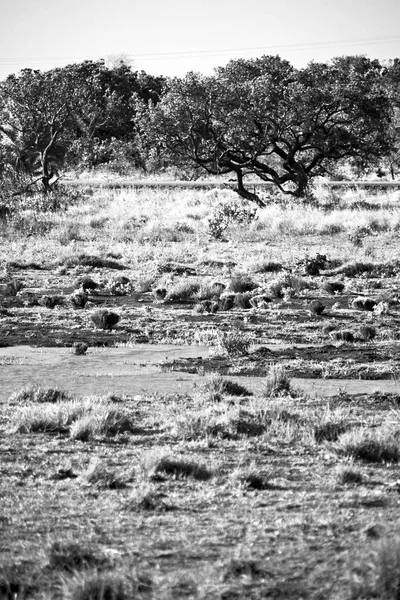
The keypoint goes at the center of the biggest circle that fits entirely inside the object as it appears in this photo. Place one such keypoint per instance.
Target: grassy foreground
(217, 493)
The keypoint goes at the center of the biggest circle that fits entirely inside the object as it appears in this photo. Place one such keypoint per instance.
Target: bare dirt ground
(147, 478)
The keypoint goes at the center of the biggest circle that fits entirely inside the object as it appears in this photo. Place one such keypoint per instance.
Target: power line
(213, 53)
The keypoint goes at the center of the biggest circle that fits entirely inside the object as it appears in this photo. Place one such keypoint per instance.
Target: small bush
(277, 382)
(378, 445)
(105, 586)
(146, 497)
(367, 333)
(362, 303)
(239, 284)
(312, 265)
(222, 421)
(330, 430)
(333, 287)
(181, 468)
(70, 556)
(156, 465)
(268, 266)
(230, 344)
(215, 387)
(285, 284)
(349, 475)
(102, 475)
(380, 577)
(105, 319)
(251, 478)
(37, 394)
(183, 291)
(226, 212)
(104, 421)
(342, 336)
(47, 418)
(90, 260)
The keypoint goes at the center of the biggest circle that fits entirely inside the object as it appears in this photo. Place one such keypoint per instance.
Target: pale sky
(172, 37)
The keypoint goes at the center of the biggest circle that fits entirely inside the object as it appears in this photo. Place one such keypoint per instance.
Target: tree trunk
(243, 193)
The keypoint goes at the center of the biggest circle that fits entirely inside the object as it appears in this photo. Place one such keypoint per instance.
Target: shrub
(277, 382)
(102, 475)
(312, 265)
(367, 332)
(226, 212)
(183, 291)
(156, 464)
(378, 577)
(145, 496)
(230, 344)
(113, 585)
(214, 387)
(268, 266)
(104, 421)
(70, 556)
(284, 284)
(378, 445)
(38, 394)
(333, 287)
(241, 283)
(47, 418)
(181, 468)
(349, 475)
(91, 260)
(342, 336)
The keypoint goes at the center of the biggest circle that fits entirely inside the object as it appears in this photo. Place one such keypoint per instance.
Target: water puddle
(133, 370)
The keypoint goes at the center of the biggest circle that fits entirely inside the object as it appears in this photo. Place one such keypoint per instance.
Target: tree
(37, 111)
(48, 118)
(265, 118)
(392, 81)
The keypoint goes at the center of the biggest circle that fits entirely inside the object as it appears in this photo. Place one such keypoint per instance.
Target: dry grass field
(238, 484)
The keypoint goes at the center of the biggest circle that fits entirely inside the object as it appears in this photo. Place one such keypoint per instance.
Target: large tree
(37, 112)
(48, 118)
(265, 118)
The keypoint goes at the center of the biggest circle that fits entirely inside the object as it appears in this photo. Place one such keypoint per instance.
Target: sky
(172, 37)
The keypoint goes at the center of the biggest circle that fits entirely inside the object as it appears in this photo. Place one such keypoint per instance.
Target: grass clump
(367, 333)
(331, 424)
(347, 475)
(102, 475)
(277, 382)
(241, 283)
(378, 445)
(146, 497)
(230, 344)
(105, 421)
(215, 387)
(113, 585)
(183, 291)
(218, 421)
(286, 285)
(250, 477)
(379, 576)
(268, 266)
(156, 465)
(37, 394)
(71, 556)
(91, 260)
(47, 418)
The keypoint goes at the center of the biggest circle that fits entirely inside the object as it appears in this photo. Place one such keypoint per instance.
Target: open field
(236, 432)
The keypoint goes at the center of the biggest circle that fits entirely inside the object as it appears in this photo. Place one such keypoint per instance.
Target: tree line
(261, 118)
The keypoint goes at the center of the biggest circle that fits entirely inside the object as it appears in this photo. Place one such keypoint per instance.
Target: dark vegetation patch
(91, 260)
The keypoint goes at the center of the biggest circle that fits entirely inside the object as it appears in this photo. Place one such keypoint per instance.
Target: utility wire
(213, 53)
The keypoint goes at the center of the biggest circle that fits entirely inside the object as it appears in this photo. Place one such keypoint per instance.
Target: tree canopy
(260, 118)
(265, 118)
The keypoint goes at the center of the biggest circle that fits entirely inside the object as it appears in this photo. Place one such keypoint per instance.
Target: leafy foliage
(265, 118)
